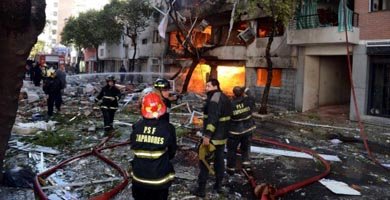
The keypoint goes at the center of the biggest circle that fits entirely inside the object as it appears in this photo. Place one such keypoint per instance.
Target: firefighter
(241, 129)
(217, 111)
(52, 88)
(153, 141)
(108, 98)
(164, 86)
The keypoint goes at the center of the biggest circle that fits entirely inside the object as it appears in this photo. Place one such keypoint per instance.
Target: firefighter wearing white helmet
(153, 142)
(52, 88)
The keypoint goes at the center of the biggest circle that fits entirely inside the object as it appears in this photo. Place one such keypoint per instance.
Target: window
(55, 4)
(276, 77)
(378, 5)
(55, 13)
(101, 53)
(379, 92)
(155, 65)
(53, 32)
(156, 37)
(264, 27)
(53, 41)
(144, 41)
(54, 23)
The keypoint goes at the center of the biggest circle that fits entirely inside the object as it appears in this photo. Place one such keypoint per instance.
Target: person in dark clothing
(164, 86)
(60, 73)
(37, 75)
(52, 87)
(123, 71)
(108, 98)
(217, 112)
(153, 141)
(242, 126)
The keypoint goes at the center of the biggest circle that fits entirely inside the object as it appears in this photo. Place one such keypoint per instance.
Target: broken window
(220, 34)
(262, 77)
(379, 93)
(198, 39)
(264, 27)
(174, 43)
(378, 5)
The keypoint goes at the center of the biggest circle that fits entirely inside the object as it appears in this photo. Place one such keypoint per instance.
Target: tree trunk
(97, 59)
(195, 62)
(21, 23)
(264, 98)
(134, 40)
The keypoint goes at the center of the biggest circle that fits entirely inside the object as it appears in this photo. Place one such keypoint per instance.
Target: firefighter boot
(200, 191)
(218, 187)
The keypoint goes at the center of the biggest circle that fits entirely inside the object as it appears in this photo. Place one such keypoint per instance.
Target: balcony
(322, 28)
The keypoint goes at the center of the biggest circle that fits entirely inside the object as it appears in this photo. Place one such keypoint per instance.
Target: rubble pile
(39, 143)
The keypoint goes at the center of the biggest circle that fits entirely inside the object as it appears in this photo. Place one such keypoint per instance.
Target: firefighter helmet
(51, 73)
(110, 78)
(238, 91)
(152, 106)
(162, 83)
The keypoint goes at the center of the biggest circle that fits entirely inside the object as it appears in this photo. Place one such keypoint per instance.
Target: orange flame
(228, 76)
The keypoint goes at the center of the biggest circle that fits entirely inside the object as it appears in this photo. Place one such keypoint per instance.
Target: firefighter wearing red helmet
(153, 142)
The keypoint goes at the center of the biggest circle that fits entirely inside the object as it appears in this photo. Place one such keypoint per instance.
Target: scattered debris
(339, 187)
(295, 154)
(324, 126)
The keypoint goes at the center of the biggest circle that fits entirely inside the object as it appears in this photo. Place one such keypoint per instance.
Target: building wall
(64, 12)
(360, 75)
(282, 97)
(373, 25)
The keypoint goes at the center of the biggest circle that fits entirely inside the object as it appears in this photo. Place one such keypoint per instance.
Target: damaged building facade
(309, 55)
(236, 54)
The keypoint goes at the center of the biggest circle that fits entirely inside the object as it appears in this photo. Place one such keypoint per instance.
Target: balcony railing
(320, 20)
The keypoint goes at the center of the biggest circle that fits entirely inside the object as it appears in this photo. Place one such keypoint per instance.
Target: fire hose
(94, 152)
(363, 135)
(267, 192)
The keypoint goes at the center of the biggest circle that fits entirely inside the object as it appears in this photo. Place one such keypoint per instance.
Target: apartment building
(371, 62)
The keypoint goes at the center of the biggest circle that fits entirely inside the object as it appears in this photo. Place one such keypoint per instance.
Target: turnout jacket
(241, 121)
(154, 144)
(217, 112)
(52, 86)
(109, 96)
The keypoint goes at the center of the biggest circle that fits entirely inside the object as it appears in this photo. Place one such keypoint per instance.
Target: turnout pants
(54, 99)
(140, 193)
(219, 168)
(233, 141)
(108, 117)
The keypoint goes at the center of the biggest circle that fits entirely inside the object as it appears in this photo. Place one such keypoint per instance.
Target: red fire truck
(51, 60)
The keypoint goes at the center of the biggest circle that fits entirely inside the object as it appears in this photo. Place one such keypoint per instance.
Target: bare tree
(185, 31)
(280, 11)
(21, 23)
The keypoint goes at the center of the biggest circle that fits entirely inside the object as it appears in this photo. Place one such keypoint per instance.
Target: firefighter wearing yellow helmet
(153, 142)
(52, 88)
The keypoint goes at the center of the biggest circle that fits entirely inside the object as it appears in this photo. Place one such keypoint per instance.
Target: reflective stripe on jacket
(153, 142)
(217, 112)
